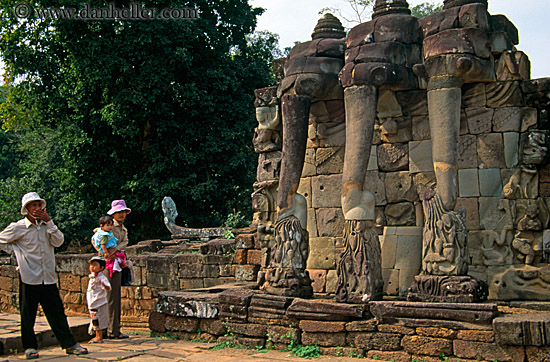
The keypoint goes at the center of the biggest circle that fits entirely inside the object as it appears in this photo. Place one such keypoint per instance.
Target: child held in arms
(97, 298)
(105, 243)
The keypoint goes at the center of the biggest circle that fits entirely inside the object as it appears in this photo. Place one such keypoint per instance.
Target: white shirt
(97, 292)
(33, 246)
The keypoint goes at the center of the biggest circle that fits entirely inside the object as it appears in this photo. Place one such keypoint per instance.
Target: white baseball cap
(30, 197)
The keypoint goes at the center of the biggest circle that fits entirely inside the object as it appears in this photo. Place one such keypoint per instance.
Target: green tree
(136, 110)
(424, 9)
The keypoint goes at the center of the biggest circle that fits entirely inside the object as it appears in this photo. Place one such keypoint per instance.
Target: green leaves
(136, 110)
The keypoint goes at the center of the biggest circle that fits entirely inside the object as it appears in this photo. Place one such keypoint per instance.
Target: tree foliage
(136, 110)
(424, 9)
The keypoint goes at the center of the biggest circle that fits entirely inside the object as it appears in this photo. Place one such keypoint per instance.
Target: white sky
(294, 20)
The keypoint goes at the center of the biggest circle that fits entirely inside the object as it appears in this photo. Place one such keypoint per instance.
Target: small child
(105, 242)
(97, 298)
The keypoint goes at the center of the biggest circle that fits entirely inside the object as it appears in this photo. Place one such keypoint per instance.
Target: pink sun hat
(118, 205)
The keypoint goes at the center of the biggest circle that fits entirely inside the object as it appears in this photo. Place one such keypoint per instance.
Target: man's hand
(41, 215)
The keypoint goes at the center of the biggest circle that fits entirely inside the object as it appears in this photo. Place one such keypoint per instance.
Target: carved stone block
(374, 183)
(330, 222)
(391, 281)
(470, 204)
(474, 16)
(404, 29)
(458, 41)
(309, 168)
(392, 52)
(326, 191)
(467, 152)
(475, 244)
(413, 103)
(329, 160)
(474, 95)
(504, 94)
(269, 166)
(500, 23)
(468, 183)
(490, 183)
(401, 132)
(529, 119)
(423, 180)
(507, 119)
(420, 128)
(490, 151)
(393, 156)
(500, 43)
(402, 213)
(400, 187)
(525, 282)
(513, 65)
(511, 146)
(491, 216)
(479, 119)
(420, 156)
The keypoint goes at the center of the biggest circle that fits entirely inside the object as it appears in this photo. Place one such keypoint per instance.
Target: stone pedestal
(448, 289)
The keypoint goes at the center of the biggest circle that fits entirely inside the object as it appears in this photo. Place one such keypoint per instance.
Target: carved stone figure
(266, 135)
(310, 76)
(379, 57)
(495, 248)
(180, 232)
(453, 55)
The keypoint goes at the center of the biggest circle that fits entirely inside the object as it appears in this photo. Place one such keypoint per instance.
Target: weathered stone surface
(325, 339)
(248, 329)
(400, 187)
(487, 351)
(479, 119)
(490, 151)
(511, 145)
(362, 326)
(374, 183)
(157, 322)
(318, 326)
(393, 156)
(420, 128)
(315, 310)
(437, 332)
(391, 281)
(329, 160)
(490, 183)
(462, 41)
(504, 94)
(474, 95)
(74, 264)
(420, 156)
(523, 330)
(181, 324)
(269, 165)
(321, 253)
(380, 341)
(396, 356)
(396, 130)
(330, 222)
(279, 334)
(491, 216)
(468, 183)
(389, 328)
(472, 211)
(536, 354)
(507, 119)
(469, 312)
(326, 191)
(244, 241)
(467, 152)
(427, 345)
(332, 279)
(478, 336)
(402, 213)
(212, 326)
(318, 280)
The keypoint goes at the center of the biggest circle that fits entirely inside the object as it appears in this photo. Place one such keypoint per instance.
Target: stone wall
(157, 266)
(389, 330)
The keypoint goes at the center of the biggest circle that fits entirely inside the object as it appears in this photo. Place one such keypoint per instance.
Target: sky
(294, 20)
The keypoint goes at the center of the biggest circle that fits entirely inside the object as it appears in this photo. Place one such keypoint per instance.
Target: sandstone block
(157, 322)
(321, 253)
(244, 241)
(6, 284)
(188, 271)
(395, 356)
(312, 223)
(479, 119)
(249, 329)
(468, 183)
(280, 334)
(240, 256)
(474, 95)
(393, 156)
(504, 94)
(368, 325)
(395, 329)
(304, 189)
(212, 326)
(470, 204)
(420, 156)
(402, 213)
(247, 273)
(326, 191)
(391, 281)
(330, 222)
(526, 329)
(420, 128)
(388, 247)
(328, 311)
(69, 282)
(329, 160)
(536, 354)
(400, 187)
(511, 145)
(507, 119)
(490, 183)
(174, 323)
(490, 151)
(467, 152)
(374, 183)
(190, 284)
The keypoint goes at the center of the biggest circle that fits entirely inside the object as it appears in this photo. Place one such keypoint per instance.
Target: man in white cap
(33, 240)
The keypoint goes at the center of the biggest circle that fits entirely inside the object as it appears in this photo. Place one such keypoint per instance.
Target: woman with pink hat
(118, 211)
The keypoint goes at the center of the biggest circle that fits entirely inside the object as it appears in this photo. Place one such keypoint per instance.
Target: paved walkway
(140, 347)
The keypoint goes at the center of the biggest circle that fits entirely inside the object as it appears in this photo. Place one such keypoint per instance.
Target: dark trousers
(113, 304)
(48, 297)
